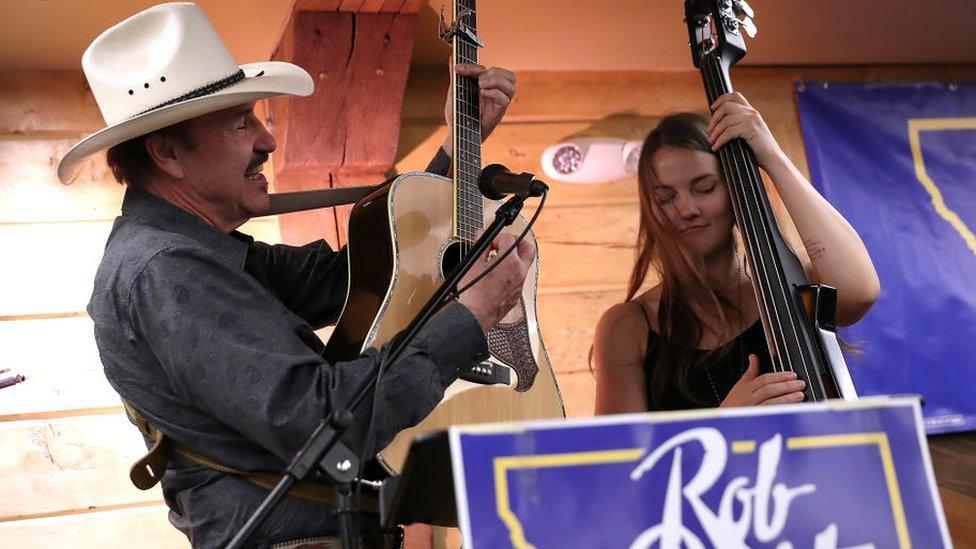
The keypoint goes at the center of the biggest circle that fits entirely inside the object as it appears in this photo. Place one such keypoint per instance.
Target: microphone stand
(323, 449)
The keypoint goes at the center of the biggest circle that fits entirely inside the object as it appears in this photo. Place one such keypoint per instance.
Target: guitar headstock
(716, 26)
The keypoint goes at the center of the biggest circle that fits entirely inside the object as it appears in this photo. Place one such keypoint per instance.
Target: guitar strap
(148, 470)
(321, 198)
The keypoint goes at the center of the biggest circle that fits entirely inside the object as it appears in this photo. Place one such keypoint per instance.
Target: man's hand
(492, 297)
(773, 388)
(497, 89)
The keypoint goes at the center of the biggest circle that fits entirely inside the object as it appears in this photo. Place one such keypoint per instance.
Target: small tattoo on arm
(815, 248)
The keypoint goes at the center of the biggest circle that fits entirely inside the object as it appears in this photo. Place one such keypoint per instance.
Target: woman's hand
(774, 388)
(734, 117)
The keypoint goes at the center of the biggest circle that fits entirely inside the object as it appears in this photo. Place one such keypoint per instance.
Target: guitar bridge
(486, 373)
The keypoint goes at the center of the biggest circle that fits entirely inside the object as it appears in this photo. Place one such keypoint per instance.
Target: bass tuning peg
(741, 7)
(749, 27)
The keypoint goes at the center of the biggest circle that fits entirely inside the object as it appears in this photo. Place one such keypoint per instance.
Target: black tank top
(710, 383)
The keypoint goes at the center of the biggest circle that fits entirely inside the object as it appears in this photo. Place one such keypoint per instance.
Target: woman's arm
(618, 357)
(838, 255)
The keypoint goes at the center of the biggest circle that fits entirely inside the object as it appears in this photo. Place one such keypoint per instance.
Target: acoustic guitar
(403, 239)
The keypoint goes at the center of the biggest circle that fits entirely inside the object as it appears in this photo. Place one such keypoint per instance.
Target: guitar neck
(469, 213)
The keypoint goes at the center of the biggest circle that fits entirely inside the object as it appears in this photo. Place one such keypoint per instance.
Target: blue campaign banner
(899, 162)
(814, 475)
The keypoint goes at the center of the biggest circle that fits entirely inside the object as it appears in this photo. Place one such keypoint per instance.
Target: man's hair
(130, 161)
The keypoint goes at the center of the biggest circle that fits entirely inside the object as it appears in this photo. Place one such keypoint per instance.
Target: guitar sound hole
(451, 259)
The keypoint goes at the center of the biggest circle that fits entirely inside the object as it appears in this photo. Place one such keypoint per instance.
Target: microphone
(496, 181)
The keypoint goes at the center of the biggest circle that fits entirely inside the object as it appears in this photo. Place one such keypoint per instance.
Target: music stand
(424, 490)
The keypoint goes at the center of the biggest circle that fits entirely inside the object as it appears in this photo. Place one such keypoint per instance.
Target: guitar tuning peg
(741, 7)
(749, 27)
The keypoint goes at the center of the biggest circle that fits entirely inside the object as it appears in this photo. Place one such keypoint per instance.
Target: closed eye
(664, 198)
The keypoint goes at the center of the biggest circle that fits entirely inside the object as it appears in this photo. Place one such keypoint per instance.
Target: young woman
(695, 339)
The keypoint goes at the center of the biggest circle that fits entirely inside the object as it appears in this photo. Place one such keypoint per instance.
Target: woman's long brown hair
(685, 288)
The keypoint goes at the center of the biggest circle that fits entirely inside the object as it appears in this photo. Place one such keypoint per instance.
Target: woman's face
(693, 199)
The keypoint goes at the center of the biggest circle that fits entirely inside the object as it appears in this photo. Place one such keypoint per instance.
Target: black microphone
(496, 181)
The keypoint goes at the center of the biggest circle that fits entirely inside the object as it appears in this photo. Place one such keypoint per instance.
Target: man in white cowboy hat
(206, 334)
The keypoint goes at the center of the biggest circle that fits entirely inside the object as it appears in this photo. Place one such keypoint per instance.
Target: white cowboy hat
(166, 65)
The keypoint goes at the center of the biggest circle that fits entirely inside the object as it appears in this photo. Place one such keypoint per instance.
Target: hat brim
(261, 80)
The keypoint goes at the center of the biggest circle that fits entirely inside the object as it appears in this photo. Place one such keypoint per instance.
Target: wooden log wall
(65, 447)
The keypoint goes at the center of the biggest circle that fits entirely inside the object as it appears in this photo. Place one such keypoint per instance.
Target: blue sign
(811, 475)
(899, 161)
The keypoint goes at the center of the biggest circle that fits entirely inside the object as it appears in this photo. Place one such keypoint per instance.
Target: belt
(379, 540)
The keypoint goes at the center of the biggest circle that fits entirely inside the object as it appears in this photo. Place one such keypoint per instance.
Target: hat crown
(153, 57)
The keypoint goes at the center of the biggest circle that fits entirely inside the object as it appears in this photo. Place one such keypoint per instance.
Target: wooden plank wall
(66, 447)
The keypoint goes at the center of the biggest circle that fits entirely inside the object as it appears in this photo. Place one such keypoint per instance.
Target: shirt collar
(144, 207)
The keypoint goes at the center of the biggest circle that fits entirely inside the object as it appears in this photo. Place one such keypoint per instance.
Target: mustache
(257, 160)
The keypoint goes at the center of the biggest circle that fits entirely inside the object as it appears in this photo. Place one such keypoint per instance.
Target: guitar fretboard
(469, 214)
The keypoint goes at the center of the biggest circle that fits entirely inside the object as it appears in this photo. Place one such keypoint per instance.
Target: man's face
(222, 163)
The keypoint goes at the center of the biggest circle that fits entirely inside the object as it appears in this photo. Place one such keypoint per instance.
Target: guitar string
(467, 131)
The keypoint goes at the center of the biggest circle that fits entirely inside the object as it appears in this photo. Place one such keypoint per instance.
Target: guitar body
(400, 244)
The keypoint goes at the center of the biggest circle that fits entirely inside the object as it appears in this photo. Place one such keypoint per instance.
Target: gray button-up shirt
(209, 335)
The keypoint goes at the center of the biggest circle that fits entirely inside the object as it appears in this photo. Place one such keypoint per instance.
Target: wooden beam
(47, 102)
(347, 131)
(360, 6)
(101, 528)
(76, 462)
(57, 283)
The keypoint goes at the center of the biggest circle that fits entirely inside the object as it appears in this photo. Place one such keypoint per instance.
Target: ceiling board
(586, 35)
(569, 35)
(52, 34)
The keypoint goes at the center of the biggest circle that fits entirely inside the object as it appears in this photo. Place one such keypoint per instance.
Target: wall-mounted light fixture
(591, 160)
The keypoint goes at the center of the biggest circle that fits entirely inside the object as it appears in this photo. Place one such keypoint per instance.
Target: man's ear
(164, 153)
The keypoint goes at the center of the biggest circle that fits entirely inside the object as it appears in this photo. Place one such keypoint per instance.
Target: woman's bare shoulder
(650, 301)
(621, 333)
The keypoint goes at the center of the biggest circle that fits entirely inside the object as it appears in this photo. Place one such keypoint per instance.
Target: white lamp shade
(591, 160)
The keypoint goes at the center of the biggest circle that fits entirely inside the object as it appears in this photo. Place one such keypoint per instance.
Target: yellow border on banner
(502, 465)
(887, 462)
(915, 127)
(743, 446)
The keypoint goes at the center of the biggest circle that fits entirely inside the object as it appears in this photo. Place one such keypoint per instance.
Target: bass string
(768, 283)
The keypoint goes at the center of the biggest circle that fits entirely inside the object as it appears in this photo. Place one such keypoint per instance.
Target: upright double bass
(797, 317)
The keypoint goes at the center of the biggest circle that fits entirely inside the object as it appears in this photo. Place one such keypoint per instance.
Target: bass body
(401, 243)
